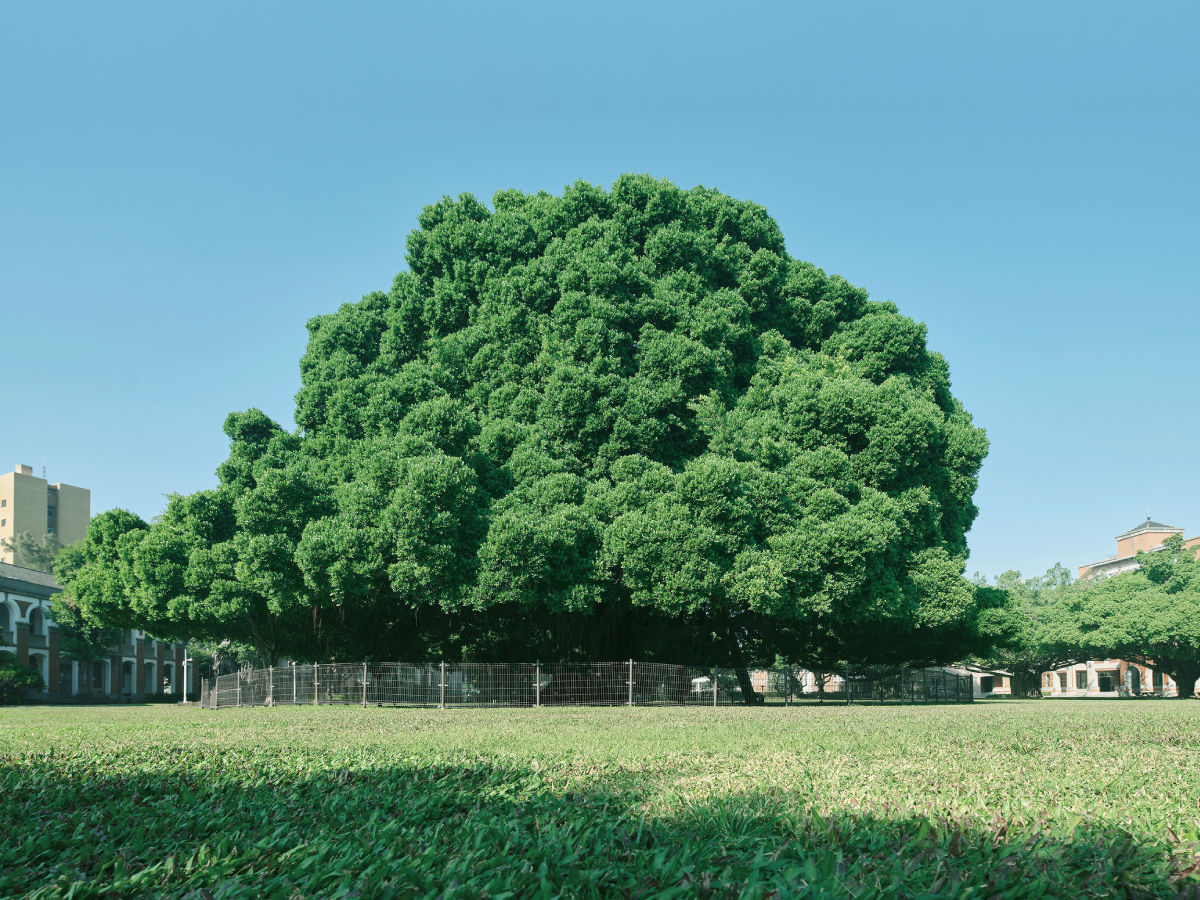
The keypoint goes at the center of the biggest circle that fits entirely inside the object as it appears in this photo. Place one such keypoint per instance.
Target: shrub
(16, 680)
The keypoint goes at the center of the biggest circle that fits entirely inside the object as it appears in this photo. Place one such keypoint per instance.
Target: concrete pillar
(139, 667)
(53, 681)
(22, 632)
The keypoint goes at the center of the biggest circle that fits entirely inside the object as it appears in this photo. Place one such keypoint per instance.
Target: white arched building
(136, 667)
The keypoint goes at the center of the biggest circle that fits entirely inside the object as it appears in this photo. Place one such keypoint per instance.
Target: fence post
(293, 684)
(442, 694)
(364, 685)
(315, 685)
(239, 678)
(537, 684)
(847, 680)
(925, 684)
(631, 682)
(271, 685)
(714, 688)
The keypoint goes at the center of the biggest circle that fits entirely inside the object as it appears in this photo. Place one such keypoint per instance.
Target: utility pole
(186, 659)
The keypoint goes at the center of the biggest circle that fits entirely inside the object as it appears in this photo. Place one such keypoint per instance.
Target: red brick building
(1146, 536)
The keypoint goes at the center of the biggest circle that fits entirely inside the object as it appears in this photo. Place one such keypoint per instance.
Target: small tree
(16, 680)
(78, 637)
(32, 553)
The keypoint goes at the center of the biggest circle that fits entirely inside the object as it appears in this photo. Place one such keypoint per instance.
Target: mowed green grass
(1015, 799)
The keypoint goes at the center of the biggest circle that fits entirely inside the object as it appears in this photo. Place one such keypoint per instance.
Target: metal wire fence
(628, 683)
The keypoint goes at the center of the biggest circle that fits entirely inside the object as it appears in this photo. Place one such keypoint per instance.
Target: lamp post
(186, 659)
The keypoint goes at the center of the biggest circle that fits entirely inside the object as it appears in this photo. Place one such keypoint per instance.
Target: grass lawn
(1002, 799)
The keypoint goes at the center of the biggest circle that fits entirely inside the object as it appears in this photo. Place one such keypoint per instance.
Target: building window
(1081, 680)
(1107, 682)
(3, 522)
(987, 684)
(1062, 681)
(3, 501)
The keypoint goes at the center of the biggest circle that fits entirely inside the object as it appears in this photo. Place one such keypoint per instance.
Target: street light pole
(186, 659)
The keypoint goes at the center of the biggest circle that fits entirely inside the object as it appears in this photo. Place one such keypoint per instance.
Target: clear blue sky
(183, 185)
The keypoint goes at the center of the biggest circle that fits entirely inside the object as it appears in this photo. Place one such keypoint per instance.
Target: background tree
(31, 552)
(1013, 624)
(1151, 616)
(599, 425)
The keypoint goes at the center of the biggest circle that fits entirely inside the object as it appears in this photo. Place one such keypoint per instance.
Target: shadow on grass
(198, 827)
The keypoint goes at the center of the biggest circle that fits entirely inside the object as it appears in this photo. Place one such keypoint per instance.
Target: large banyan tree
(606, 424)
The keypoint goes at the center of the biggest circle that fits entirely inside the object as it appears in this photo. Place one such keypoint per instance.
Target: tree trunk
(749, 696)
(1026, 683)
(1185, 680)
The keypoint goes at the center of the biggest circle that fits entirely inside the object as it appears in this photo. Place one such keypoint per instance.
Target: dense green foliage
(1014, 615)
(16, 680)
(79, 637)
(1013, 800)
(606, 424)
(1151, 615)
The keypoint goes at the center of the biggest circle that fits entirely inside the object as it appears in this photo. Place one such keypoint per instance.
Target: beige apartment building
(31, 504)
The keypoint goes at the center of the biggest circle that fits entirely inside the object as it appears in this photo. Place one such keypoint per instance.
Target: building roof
(977, 670)
(1148, 525)
(20, 580)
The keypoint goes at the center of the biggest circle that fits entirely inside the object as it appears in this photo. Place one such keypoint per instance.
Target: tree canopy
(601, 424)
(1013, 619)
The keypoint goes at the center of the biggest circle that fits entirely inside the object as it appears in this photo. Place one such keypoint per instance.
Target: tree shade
(601, 424)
